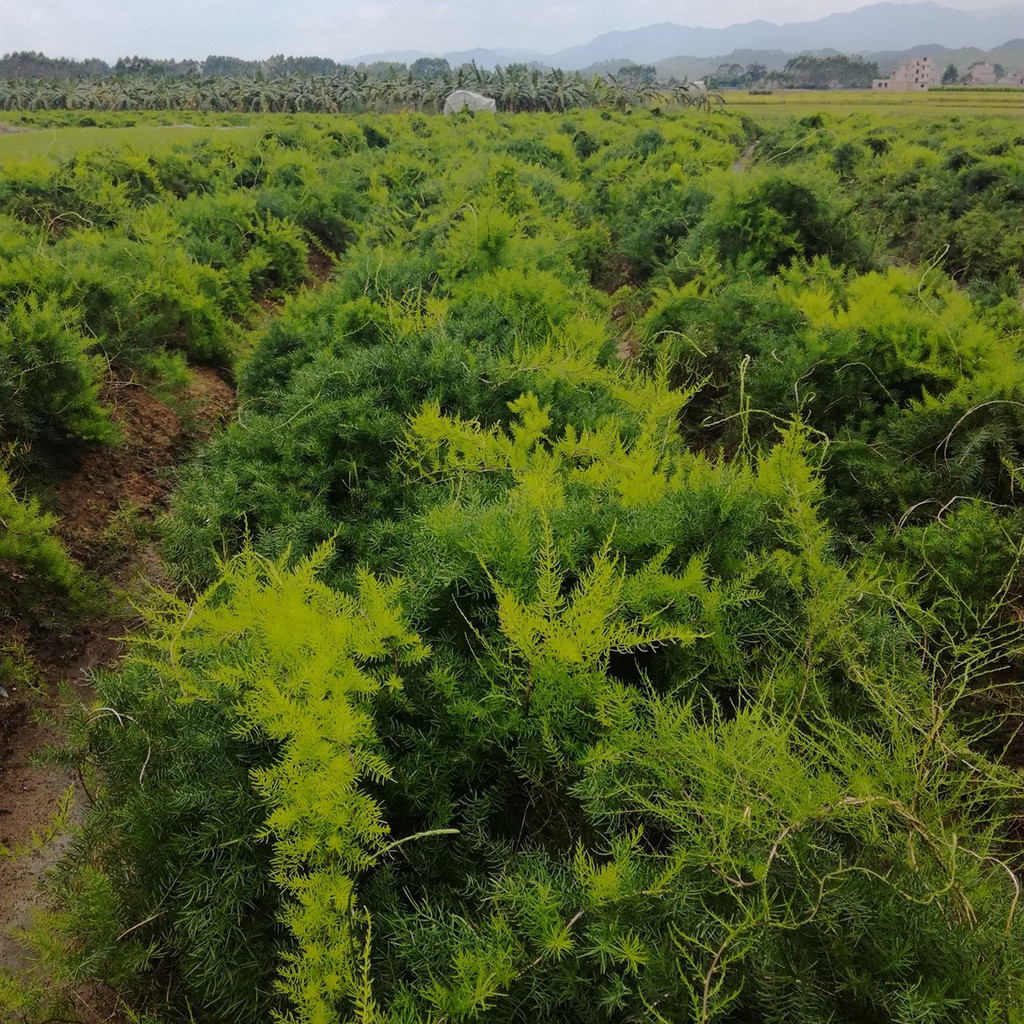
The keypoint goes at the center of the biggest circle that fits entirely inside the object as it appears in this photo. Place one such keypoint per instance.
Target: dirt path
(29, 798)
(108, 499)
(740, 164)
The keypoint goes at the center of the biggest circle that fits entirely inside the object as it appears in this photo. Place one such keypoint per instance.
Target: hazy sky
(344, 29)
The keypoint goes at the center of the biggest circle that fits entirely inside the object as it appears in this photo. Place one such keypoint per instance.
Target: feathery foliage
(605, 605)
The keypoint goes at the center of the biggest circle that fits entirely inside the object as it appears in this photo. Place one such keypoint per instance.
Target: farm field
(44, 135)
(567, 566)
(790, 102)
(58, 144)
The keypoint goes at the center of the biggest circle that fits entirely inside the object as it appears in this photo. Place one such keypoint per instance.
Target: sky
(343, 29)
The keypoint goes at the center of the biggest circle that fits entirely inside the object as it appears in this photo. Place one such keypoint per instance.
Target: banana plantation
(516, 88)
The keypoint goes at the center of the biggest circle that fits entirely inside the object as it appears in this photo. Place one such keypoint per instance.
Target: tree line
(805, 71)
(289, 88)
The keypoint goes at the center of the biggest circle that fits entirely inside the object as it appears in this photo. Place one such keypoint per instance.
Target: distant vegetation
(836, 72)
(279, 84)
(801, 72)
(27, 64)
(30, 82)
(1010, 55)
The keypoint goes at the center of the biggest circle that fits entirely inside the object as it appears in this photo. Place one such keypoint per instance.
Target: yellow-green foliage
(297, 663)
(40, 837)
(917, 389)
(26, 998)
(752, 804)
(27, 541)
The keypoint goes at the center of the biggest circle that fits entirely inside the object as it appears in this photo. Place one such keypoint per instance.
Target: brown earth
(319, 269)
(29, 798)
(109, 489)
(108, 500)
(320, 265)
(740, 163)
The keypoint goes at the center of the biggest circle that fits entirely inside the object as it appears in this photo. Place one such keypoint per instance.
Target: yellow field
(61, 143)
(55, 144)
(892, 104)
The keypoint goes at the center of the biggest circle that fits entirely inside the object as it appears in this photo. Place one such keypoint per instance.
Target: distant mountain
(484, 58)
(878, 27)
(1009, 54)
(390, 57)
(688, 66)
(489, 58)
(885, 26)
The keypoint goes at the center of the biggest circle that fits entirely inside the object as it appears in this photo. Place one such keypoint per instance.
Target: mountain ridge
(879, 27)
(1010, 54)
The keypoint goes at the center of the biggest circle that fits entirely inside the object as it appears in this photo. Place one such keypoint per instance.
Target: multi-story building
(981, 74)
(917, 73)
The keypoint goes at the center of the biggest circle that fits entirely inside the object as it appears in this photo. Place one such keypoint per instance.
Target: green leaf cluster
(34, 560)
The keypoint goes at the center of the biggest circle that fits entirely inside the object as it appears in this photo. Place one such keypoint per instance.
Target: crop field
(570, 564)
(791, 102)
(42, 135)
(60, 144)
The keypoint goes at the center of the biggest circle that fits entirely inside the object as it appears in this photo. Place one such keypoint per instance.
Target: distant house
(1015, 78)
(981, 74)
(915, 74)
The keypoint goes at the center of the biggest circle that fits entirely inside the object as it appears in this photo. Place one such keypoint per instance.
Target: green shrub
(920, 396)
(326, 394)
(966, 557)
(318, 197)
(310, 326)
(488, 239)
(140, 296)
(48, 381)
(61, 200)
(510, 306)
(235, 756)
(781, 216)
(638, 765)
(40, 584)
(331, 387)
(658, 215)
(132, 172)
(28, 543)
(667, 669)
(960, 214)
(551, 152)
(254, 251)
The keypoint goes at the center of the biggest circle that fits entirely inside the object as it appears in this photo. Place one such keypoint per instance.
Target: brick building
(917, 73)
(981, 74)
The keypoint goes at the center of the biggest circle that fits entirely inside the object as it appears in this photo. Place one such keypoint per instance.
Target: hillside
(877, 27)
(1009, 54)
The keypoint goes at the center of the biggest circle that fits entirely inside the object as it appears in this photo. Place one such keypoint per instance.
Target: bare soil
(29, 798)
(740, 164)
(108, 500)
(320, 265)
(111, 490)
